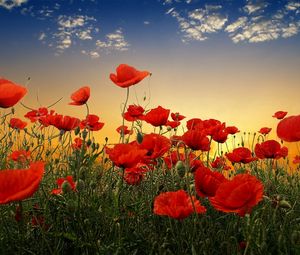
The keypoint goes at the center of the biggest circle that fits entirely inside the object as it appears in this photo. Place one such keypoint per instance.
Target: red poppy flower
(64, 185)
(16, 185)
(240, 155)
(270, 149)
(124, 130)
(177, 205)
(239, 195)
(10, 93)
(296, 160)
(212, 126)
(134, 112)
(17, 123)
(134, 175)
(157, 116)
(20, 155)
(91, 122)
(174, 157)
(156, 145)
(64, 123)
(196, 140)
(265, 130)
(127, 76)
(77, 145)
(220, 163)
(176, 116)
(207, 181)
(288, 129)
(232, 130)
(219, 134)
(194, 123)
(279, 115)
(126, 155)
(35, 115)
(80, 96)
(172, 124)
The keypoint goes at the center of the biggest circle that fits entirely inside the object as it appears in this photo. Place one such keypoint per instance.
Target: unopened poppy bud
(169, 128)
(284, 204)
(180, 168)
(139, 137)
(84, 134)
(77, 130)
(93, 147)
(12, 110)
(66, 187)
(97, 146)
(89, 142)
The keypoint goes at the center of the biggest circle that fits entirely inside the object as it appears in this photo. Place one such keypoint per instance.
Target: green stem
(123, 121)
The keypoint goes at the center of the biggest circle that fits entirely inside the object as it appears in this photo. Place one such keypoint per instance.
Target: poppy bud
(77, 130)
(12, 110)
(97, 146)
(89, 142)
(139, 137)
(84, 134)
(66, 187)
(180, 168)
(93, 147)
(284, 204)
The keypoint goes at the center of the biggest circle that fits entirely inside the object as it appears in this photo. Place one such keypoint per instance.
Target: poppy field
(198, 187)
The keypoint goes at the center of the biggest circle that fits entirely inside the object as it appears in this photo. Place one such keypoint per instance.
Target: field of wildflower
(201, 188)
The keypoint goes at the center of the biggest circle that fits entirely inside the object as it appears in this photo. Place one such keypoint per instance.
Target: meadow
(202, 188)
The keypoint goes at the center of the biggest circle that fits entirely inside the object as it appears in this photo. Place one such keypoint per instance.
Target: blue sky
(96, 27)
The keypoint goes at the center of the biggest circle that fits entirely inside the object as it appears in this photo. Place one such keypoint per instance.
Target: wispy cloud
(293, 6)
(261, 27)
(92, 54)
(69, 30)
(10, 4)
(198, 23)
(251, 8)
(259, 20)
(113, 41)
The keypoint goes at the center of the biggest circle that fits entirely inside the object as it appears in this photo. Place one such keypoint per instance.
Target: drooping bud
(284, 204)
(180, 168)
(77, 130)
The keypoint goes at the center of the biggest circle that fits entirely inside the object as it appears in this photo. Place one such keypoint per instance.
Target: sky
(235, 61)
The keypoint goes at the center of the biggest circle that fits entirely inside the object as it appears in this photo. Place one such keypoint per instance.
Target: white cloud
(292, 6)
(236, 25)
(261, 27)
(42, 36)
(262, 30)
(85, 35)
(146, 22)
(255, 7)
(92, 54)
(72, 28)
(199, 22)
(10, 4)
(114, 41)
